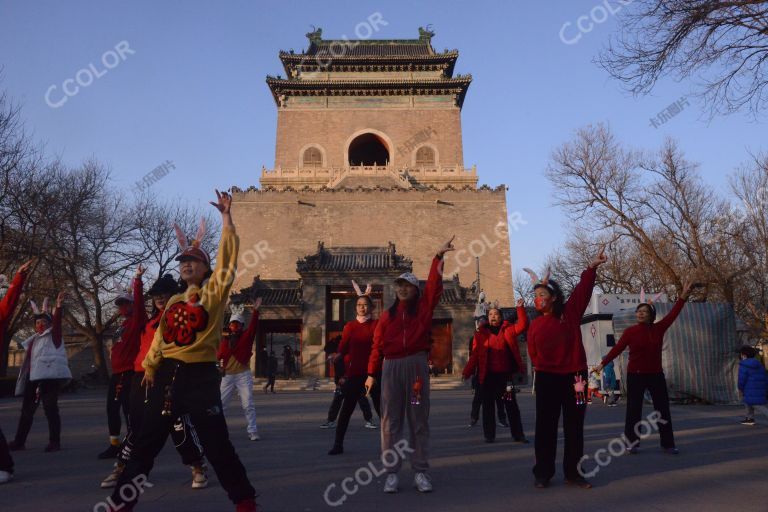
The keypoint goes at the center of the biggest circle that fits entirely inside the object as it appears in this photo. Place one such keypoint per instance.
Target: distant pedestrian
(753, 384)
(271, 372)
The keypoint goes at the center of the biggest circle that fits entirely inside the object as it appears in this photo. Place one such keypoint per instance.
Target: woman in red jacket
(645, 341)
(557, 354)
(125, 346)
(8, 304)
(356, 343)
(401, 345)
(496, 354)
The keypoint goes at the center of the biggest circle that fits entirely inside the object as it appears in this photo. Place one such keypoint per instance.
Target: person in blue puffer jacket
(753, 384)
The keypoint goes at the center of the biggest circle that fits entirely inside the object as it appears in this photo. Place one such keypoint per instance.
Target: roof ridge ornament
(426, 34)
(316, 36)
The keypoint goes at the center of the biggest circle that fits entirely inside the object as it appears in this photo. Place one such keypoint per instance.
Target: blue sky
(193, 91)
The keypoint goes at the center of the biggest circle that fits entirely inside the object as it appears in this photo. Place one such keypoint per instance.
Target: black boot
(336, 450)
(110, 453)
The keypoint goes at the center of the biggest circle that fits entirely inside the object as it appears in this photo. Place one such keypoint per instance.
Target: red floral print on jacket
(183, 321)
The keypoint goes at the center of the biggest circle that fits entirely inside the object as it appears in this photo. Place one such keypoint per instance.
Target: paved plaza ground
(722, 465)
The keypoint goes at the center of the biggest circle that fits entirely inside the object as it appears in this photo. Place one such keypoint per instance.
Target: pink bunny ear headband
(368, 289)
(651, 301)
(40, 313)
(191, 248)
(535, 281)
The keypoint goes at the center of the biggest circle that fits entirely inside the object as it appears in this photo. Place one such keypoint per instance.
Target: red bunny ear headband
(368, 289)
(191, 249)
(535, 281)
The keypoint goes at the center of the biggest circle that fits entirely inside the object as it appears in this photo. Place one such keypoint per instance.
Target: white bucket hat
(408, 278)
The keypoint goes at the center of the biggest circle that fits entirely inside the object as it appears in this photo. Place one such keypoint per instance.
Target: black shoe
(472, 423)
(110, 453)
(53, 447)
(489, 440)
(748, 421)
(15, 446)
(336, 450)
(522, 440)
(579, 482)
(634, 450)
(541, 484)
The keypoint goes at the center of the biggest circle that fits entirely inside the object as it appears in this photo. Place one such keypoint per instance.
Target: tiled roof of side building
(354, 259)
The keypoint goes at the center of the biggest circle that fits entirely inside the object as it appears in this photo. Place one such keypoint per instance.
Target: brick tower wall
(276, 230)
(334, 128)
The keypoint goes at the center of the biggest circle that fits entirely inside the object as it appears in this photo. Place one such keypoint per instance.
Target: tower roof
(340, 54)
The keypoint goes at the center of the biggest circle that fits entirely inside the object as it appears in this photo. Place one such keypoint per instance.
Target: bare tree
(748, 228)
(154, 220)
(721, 44)
(657, 202)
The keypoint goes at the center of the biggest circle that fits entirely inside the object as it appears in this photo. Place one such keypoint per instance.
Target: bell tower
(384, 112)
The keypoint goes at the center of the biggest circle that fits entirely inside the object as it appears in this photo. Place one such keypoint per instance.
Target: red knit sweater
(356, 342)
(404, 335)
(554, 344)
(645, 343)
(125, 349)
(490, 351)
(243, 348)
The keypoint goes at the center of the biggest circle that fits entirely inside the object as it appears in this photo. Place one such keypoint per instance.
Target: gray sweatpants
(751, 410)
(397, 378)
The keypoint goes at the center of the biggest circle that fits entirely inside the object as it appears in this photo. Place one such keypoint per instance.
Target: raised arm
(225, 270)
(253, 325)
(579, 300)
(11, 299)
(139, 311)
(434, 287)
(519, 327)
(666, 322)
(56, 331)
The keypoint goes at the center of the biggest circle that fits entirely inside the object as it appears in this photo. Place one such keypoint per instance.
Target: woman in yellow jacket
(180, 369)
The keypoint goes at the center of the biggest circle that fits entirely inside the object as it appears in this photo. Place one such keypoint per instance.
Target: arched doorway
(368, 149)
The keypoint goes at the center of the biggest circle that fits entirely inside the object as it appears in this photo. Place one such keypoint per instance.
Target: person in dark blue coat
(753, 384)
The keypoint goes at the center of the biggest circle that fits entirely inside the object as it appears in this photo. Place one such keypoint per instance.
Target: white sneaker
(253, 436)
(328, 424)
(5, 477)
(199, 478)
(371, 425)
(422, 483)
(113, 477)
(390, 486)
